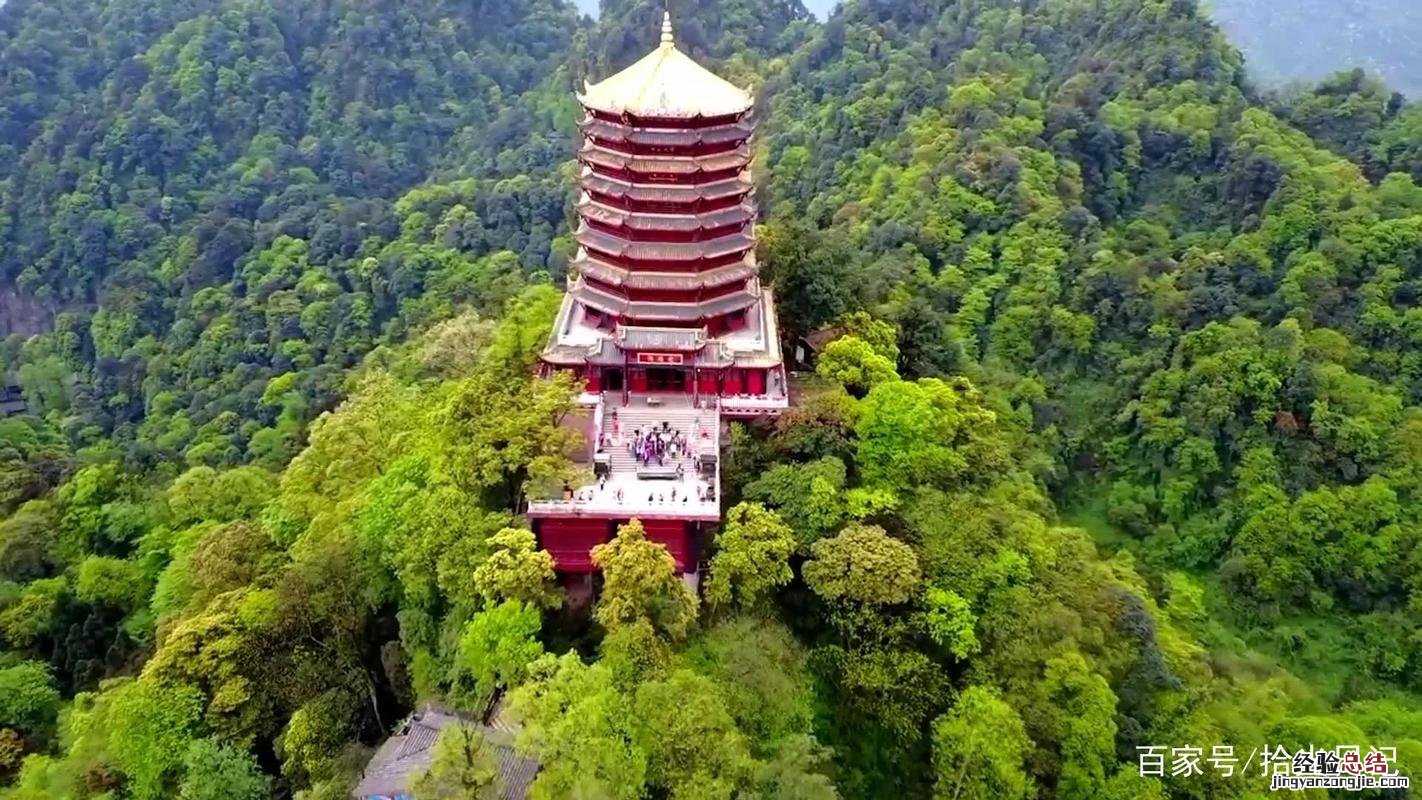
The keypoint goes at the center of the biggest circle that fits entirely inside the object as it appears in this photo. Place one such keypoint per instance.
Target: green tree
(752, 557)
(882, 336)
(522, 450)
(798, 771)
(29, 700)
(980, 748)
(1083, 723)
(311, 743)
(215, 772)
(203, 494)
(855, 364)
(463, 768)
(150, 730)
(114, 581)
(496, 647)
(640, 584)
(809, 497)
(928, 432)
(863, 564)
(950, 622)
(517, 570)
(581, 727)
(762, 673)
(693, 747)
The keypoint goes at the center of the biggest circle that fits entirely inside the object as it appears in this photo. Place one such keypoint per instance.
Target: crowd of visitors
(657, 445)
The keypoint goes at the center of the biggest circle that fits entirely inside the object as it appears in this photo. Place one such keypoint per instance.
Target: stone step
(691, 422)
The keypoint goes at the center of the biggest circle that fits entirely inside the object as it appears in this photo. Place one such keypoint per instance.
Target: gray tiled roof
(409, 754)
(612, 159)
(742, 214)
(679, 312)
(738, 242)
(666, 192)
(639, 338)
(587, 264)
(615, 132)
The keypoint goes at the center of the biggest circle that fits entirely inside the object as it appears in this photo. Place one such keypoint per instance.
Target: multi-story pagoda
(665, 319)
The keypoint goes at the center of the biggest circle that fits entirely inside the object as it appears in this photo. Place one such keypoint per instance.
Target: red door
(757, 382)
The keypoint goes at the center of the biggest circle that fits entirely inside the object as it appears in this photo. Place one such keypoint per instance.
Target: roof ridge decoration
(666, 84)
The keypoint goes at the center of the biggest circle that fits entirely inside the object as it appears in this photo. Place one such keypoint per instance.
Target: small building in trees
(12, 398)
(665, 320)
(809, 346)
(409, 754)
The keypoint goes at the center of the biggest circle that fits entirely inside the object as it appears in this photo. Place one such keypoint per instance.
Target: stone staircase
(692, 422)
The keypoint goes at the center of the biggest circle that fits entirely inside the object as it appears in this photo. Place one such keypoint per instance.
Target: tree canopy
(1118, 444)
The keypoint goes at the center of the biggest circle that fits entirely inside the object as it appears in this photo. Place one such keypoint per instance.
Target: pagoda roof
(590, 266)
(652, 137)
(665, 192)
(647, 221)
(664, 251)
(576, 341)
(667, 84)
(680, 312)
(608, 158)
(637, 337)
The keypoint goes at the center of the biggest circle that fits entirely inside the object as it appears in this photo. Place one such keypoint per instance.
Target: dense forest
(1121, 446)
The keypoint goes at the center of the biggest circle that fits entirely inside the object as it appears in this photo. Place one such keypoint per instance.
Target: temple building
(665, 319)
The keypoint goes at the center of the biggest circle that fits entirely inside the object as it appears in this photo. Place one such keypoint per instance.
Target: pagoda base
(674, 494)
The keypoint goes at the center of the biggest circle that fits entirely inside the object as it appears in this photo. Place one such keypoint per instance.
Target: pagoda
(665, 320)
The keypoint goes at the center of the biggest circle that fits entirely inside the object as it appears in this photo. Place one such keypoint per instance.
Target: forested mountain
(1122, 445)
(1306, 40)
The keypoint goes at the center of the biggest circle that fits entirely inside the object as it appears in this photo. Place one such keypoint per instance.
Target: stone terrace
(629, 489)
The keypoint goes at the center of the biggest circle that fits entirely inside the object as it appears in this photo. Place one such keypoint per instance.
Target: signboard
(664, 359)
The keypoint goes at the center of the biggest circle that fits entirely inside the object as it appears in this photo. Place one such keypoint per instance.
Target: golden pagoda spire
(665, 83)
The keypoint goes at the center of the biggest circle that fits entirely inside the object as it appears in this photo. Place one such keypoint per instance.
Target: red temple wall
(661, 265)
(683, 267)
(669, 178)
(674, 534)
(667, 236)
(668, 295)
(710, 382)
(667, 207)
(570, 541)
(668, 123)
(684, 150)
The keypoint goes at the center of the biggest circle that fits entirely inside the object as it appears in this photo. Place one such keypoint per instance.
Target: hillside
(1309, 39)
(1119, 443)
